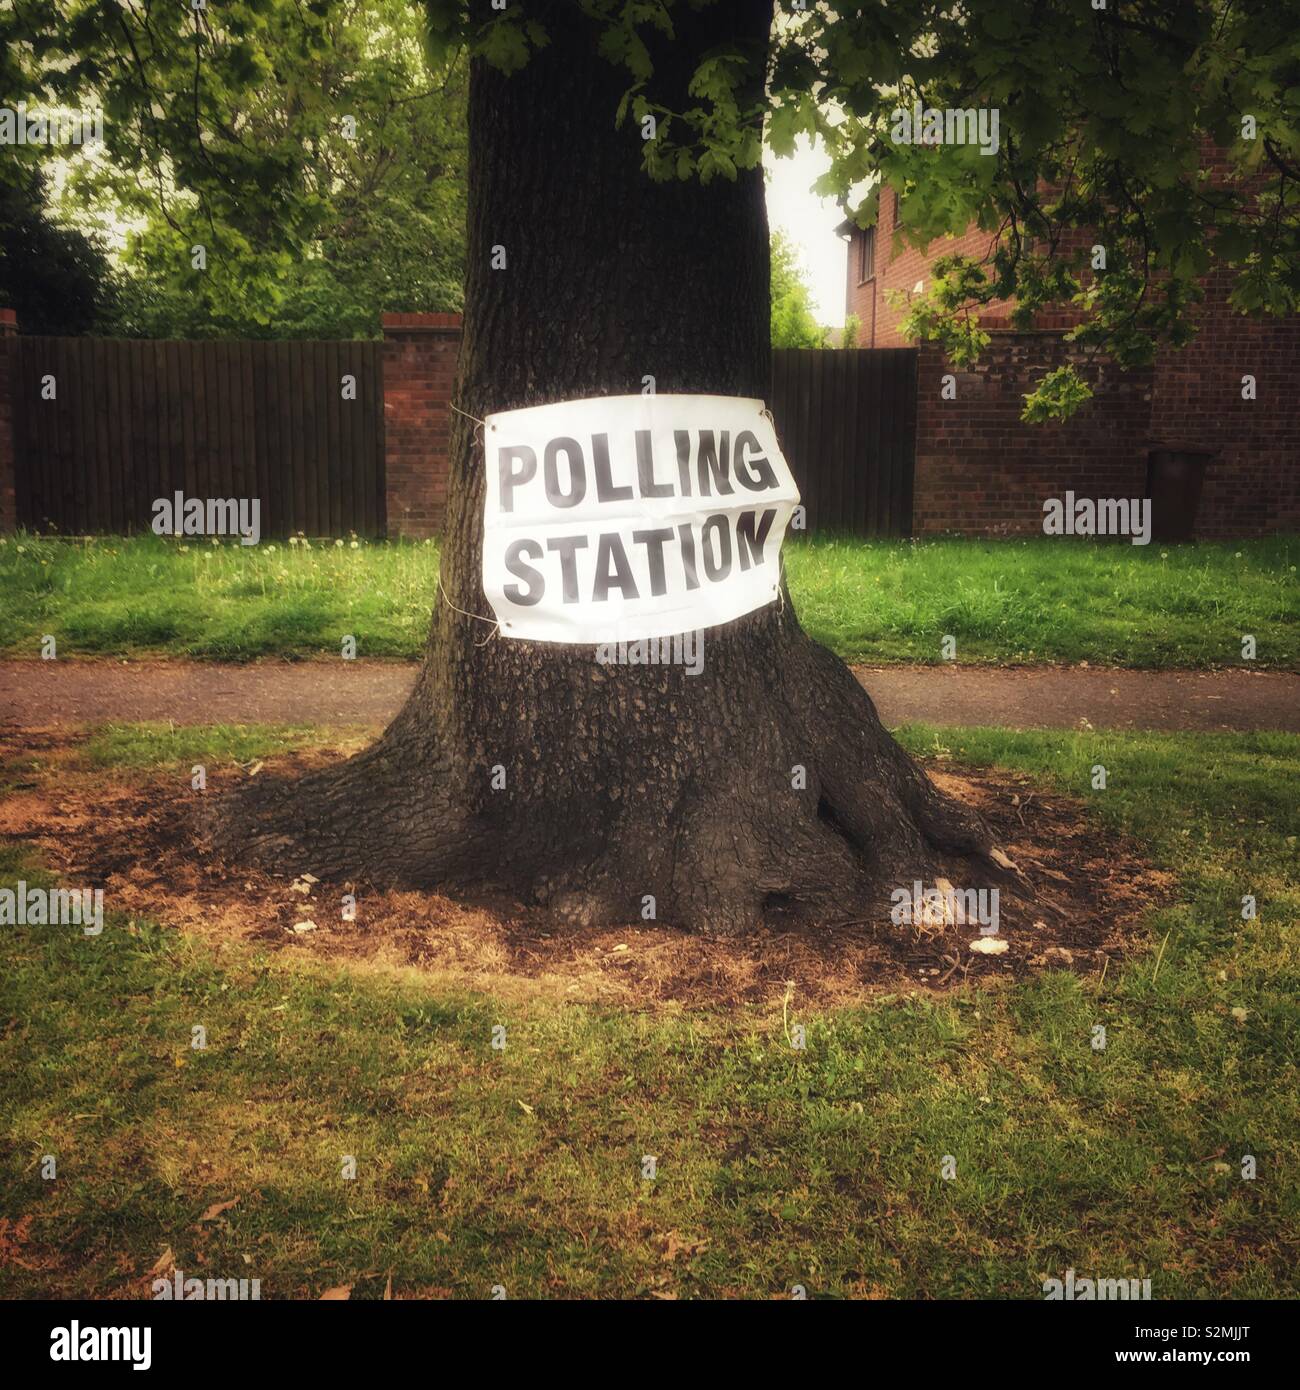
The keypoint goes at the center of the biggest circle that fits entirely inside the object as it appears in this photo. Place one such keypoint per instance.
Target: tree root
(812, 810)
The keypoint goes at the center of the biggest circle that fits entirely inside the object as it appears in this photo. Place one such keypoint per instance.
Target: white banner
(629, 517)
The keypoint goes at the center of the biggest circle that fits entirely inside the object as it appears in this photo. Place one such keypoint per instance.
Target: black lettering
(654, 542)
(755, 474)
(645, 468)
(687, 538)
(605, 489)
(749, 546)
(509, 478)
(682, 438)
(568, 546)
(577, 473)
(714, 458)
(536, 583)
(719, 566)
(612, 568)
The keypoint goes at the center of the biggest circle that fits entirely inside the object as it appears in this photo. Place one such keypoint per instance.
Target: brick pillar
(8, 366)
(420, 353)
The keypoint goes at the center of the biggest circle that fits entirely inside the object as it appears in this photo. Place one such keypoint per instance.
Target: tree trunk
(531, 767)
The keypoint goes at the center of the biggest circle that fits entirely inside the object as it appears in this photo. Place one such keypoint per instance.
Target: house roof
(867, 210)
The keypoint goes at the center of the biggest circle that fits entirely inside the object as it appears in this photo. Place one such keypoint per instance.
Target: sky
(810, 223)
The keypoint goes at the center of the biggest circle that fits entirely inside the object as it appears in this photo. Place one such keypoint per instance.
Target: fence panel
(130, 422)
(847, 424)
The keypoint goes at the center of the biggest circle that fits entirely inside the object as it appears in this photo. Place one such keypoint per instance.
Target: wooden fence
(130, 422)
(847, 424)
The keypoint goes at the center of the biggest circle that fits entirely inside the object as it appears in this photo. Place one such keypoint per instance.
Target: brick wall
(982, 472)
(8, 345)
(898, 268)
(1252, 485)
(420, 352)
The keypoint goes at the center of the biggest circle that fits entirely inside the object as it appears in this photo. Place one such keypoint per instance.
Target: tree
(621, 784)
(766, 784)
(793, 323)
(281, 169)
(57, 279)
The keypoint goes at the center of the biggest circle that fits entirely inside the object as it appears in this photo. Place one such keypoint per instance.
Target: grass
(871, 601)
(522, 1167)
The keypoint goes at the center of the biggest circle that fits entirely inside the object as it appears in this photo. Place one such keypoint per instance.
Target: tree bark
(628, 790)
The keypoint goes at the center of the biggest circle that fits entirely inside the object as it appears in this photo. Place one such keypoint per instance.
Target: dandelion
(215, 541)
(356, 546)
(22, 550)
(293, 540)
(184, 549)
(338, 545)
(270, 549)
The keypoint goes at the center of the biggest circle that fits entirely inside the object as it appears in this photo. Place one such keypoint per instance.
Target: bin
(1174, 481)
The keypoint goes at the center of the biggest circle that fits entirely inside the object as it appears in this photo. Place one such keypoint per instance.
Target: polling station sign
(632, 516)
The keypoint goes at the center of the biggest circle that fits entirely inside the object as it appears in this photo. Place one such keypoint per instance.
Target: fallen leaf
(675, 1245)
(304, 926)
(527, 1109)
(165, 1262)
(255, 769)
(340, 1294)
(388, 1290)
(1002, 861)
(989, 946)
(217, 1208)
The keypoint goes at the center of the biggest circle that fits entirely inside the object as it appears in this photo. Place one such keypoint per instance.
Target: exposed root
(805, 809)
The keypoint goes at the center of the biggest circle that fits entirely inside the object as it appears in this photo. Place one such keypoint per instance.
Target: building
(980, 471)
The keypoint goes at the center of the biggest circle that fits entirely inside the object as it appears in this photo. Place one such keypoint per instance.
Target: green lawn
(775, 1168)
(1003, 601)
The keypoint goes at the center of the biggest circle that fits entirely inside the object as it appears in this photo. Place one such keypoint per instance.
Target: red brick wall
(982, 472)
(1252, 486)
(420, 352)
(979, 470)
(8, 345)
(898, 268)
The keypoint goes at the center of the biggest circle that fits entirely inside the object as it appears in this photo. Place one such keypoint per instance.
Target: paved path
(43, 693)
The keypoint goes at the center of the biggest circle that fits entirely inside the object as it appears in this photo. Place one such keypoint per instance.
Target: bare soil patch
(133, 833)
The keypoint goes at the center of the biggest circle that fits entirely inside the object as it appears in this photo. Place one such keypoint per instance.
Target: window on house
(898, 202)
(866, 254)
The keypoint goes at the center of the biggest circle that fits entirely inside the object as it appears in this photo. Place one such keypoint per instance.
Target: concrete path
(44, 693)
